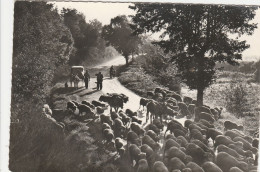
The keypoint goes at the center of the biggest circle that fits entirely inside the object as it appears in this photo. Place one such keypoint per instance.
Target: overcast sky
(105, 11)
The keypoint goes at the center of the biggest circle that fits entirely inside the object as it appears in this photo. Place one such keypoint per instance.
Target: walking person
(99, 81)
(86, 79)
(111, 72)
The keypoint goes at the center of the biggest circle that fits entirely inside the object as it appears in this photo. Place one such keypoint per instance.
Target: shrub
(236, 100)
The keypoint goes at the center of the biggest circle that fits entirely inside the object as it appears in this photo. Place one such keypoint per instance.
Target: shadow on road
(77, 91)
(91, 92)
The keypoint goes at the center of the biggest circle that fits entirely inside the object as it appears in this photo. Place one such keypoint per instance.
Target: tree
(197, 35)
(119, 34)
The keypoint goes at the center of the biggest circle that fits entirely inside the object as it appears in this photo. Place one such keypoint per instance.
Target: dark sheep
(226, 161)
(203, 109)
(130, 113)
(203, 146)
(137, 128)
(160, 90)
(241, 151)
(198, 155)
(173, 124)
(206, 123)
(232, 152)
(187, 123)
(71, 106)
(246, 144)
(106, 119)
(207, 116)
(202, 126)
(121, 96)
(212, 133)
(150, 155)
(100, 110)
(143, 102)
(178, 132)
(119, 128)
(114, 115)
(150, 142)
(221, 139)
(88, 103)
(184, 109)
(176, 152)
(158, 124)
(195, 126)
(187, 100)
(108, 134)
(133, 138)
(84, 108)
(118, 144)
(142, 166)
(175, 108)
(115, 102)
(159, 166)
(105, 126)
(170, 136)
(211, 167)
(169, 112)
(158, 97)
(134, 152)
(194, 167)
(194, 102)
(248, 138)
(137, 120)
(153, 135)
(168, 144)
(175, 163)
(154, 128)
(171, 101)
(255, 143)
(191, 108)
(155, 109)
(196, 134)
(149, 94)
(177, 97)
(182, 141)
(98, 103)
(232, 134)
(230, 125)
(125, 118)
(142, 155)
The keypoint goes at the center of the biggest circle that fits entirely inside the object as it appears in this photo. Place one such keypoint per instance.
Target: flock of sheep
(164, 144)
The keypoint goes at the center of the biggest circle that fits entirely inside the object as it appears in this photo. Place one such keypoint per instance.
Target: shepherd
(86, 78)
(99, 80)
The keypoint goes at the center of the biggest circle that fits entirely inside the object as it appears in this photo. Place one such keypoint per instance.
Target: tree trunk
(200, 97)
(126, 60)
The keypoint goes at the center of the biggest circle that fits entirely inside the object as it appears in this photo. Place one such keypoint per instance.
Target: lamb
(175, 163)
(230, 125)
(137, 128)
(88, 103)
(194, 167)
(226, 161)
(212, 133)
(143, 102)
(153, 135)
(150, 142)
(98, 103)
(159, 166)
(210, 167)
(198, 155)
(132, 138)
(71, 106)
(142, 166)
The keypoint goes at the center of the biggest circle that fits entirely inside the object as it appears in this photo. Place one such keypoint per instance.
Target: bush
(236, 100)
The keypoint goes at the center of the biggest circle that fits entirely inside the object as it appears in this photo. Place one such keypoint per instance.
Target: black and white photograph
(114, 86)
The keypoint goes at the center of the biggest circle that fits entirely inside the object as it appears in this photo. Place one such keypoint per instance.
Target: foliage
(257, 71)
(197, 35)
(119, 34)
(87, 36)
(236, 98)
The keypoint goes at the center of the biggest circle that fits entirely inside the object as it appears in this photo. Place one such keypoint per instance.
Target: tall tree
(198, 35)
(119, 34)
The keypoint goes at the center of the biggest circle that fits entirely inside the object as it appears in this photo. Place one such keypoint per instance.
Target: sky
(104, 11)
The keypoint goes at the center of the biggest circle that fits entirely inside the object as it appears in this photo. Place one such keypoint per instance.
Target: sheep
(142, 166)
(202, 126)
(134, 152)
(203, 146)
(175, 163)
(106, 119)
(171, 101)
(150, 155)
(182, 141)
(230, 125)
(125, 118)
(184, 109)
(176, 152)
(130, 113)
(121, 95)
(203, 109)
(255, 143)
(153, 135)
(221, 139)
(169, 112)
(186, 170)
(160, 90)
(100, 110)
(207, 116)
(194, 167)
(154, 108)
(115, 102)
(154, 128)
(119, 144)
(198, 155)
(232, 152)
(84, 108)
(149, 94)
(158, 124)
(212, 133)
(159, 166)
(158, 97)
(88, 103)
(170, 136)
(168, 144)
(137, 128)
(150, 142)
(98, 103)
(246, 144)
(196, 134)
(187, 123)
(132, 138)
(174, 108)
(173, 124)
(177, 97)
(137, 120)
(114, 115)
(206, 123)
(187, 100)
(105, 126)
(226, 161)
(241, 151)
(232, 134)
(235, 169)
(143, 102)
(118, 128)
(248, 138)
(108, 134)
(71, 106)
(76, 103)
(191, 108)
(195, 126)
(210, 167)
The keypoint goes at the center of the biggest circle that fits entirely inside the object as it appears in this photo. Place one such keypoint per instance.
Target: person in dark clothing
(86, 78)
(99, 81)
(112, 71)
